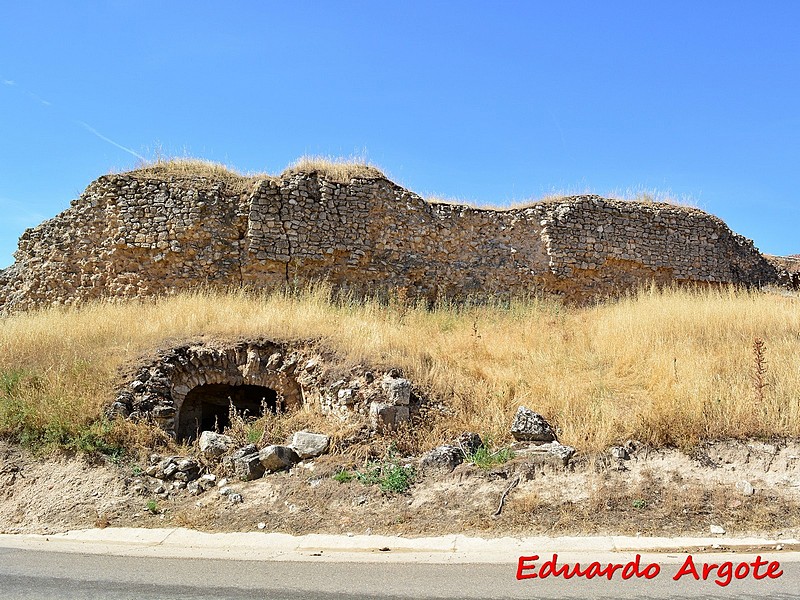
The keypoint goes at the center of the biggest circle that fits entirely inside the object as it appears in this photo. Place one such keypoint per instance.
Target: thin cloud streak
(22, 215)
(92, 130)
(41, 101)
(86, 126)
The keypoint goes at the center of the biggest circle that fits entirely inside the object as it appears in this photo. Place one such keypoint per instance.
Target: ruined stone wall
(129, 236)
(126, 237)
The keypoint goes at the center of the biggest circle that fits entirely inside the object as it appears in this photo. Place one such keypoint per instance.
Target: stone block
(214, 444)
(276, 458)
(397, 389)
(248, 467)
(469, 442)
(551, 454)
(244, 451)
(441, 460)
(529, 426)
(309, 445)
(387, 417)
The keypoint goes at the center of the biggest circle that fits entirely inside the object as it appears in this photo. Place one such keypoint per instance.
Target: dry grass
(790, 263)
(437, 199)
(520, 205)
(344, 169)
(162, 168)
(643, 195)
(334, 168)
(651, 195)
(668, 368)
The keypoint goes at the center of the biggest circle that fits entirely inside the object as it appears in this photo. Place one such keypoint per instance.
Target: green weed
(389, 475)
(484, 458)
(344, 476)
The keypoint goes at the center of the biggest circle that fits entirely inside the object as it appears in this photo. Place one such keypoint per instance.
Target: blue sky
(489, 102)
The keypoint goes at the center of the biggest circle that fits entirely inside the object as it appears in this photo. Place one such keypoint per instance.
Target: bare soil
(655, 492)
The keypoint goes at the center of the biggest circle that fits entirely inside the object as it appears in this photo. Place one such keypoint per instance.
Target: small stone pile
(250, 462)
(172, 474)
(536, 439)
(536, 442)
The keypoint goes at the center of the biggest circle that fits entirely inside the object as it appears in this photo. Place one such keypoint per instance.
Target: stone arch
(189, 388)
(207, 407)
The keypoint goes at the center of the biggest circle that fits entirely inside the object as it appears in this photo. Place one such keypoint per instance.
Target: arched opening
(206, 407)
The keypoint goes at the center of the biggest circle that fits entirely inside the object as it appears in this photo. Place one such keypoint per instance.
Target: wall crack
(286, 235)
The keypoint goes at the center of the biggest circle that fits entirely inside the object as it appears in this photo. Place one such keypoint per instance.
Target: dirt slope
(653, 493)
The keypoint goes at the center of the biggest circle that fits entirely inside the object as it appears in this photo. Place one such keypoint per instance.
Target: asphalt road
(43, 575)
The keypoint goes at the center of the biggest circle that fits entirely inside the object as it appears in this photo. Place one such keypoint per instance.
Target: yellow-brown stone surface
(128, 235)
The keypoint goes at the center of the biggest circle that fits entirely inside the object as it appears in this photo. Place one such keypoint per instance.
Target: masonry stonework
(188, 388)
(129, 235)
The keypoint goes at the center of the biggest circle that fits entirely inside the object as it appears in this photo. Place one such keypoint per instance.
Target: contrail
(86, 126)
(91, 129)
(41, 101)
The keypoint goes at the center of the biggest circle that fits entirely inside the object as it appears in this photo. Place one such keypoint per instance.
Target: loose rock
(387, 417)
(229, 461)
(441, 460)
(551, 454)
(619, 452)
(214, 444)
(469, 442)
(309, 445)
(276, 458)
(398, 390)
(248, 467)
(529, 426)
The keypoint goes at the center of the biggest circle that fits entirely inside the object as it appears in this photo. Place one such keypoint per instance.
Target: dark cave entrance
(206, 407)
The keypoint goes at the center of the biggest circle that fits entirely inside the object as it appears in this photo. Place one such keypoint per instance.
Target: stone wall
(788, 269)
(129, 235)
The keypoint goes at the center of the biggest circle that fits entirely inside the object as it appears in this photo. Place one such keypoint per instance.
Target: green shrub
(486, 459)
(396, 478)
(344, 476)
(389, 475)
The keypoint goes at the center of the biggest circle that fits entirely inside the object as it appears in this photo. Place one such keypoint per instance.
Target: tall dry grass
(335, 168)
(664, 367)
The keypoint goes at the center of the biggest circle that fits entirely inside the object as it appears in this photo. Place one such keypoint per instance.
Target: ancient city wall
(129, 235)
